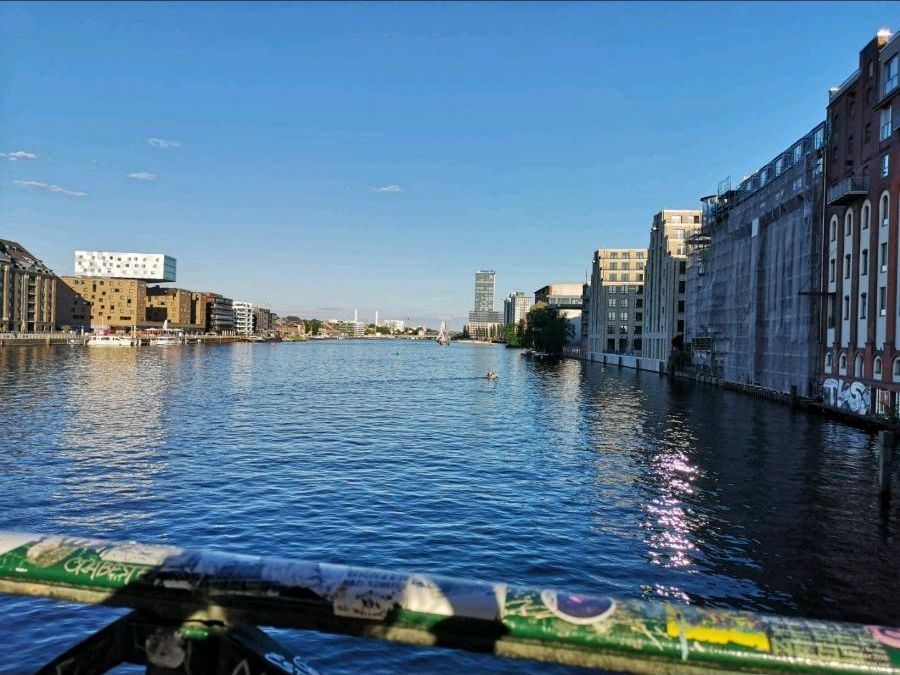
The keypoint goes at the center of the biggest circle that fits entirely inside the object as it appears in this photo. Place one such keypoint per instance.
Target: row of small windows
(858, 365)
(883, 218)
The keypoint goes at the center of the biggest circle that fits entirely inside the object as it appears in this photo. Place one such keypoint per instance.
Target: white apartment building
(664, 280)
(394, 325)
(515, 307)
(244, 317)
(616, 312)
(124, 265)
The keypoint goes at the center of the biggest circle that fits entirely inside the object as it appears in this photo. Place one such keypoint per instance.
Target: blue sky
(516, 136)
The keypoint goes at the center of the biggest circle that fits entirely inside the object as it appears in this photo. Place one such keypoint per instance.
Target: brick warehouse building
(860, 364)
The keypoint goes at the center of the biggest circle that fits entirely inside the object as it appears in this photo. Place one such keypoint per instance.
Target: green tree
(313, 326)
(511, 335)
(546, 329)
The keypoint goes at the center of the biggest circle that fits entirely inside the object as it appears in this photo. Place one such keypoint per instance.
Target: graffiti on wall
(853, 396)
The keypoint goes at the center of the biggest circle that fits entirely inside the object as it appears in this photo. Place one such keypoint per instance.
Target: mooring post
(885, 451)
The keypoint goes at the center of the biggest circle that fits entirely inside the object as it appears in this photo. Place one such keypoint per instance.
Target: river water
(400, 454)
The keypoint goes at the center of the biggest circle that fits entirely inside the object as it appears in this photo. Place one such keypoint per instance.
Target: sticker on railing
(578, 609)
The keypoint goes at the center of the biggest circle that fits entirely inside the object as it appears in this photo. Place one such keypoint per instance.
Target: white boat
(443, 339)
(161, 337)
(163, 340)
(107, 340)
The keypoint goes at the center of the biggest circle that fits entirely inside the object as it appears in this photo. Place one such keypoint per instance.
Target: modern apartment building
(27, 291)
(219, 313)
(484, 322)
(174, 305)
(664, 280)
(565, 295)
(616, 301)
(566, 298)
(753, 274)
(860, 363)
(515, 307)
(145, 266)
(95, 302)
(244, 317)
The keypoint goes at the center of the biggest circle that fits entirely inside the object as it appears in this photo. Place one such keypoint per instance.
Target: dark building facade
(219, 314)
(860, 363)
(27, 291)
(752, 282)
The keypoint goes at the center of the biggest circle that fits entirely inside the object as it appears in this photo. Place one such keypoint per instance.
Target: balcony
(848, 189)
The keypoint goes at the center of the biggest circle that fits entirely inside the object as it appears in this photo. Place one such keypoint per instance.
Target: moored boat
(109, 340)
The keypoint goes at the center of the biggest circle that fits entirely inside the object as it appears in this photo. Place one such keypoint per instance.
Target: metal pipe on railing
(220, 589)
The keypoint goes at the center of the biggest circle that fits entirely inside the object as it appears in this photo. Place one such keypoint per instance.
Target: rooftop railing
(196, 611)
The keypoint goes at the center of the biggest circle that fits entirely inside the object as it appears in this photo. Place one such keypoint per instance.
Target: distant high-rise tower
(484, 322)
(484, 290)
(376, 318)
(355, 315)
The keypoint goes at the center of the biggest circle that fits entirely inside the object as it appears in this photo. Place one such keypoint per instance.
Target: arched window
(848, 223)
(865, 214)
(858, 366)
(876, 366)
(884, 211)
(897, 369)
(832, 229)
(842, 363)
(829, 359)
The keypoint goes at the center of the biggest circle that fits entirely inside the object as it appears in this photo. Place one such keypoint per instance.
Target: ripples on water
(401, 455)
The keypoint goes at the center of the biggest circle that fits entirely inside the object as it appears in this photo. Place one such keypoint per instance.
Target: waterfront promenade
(400, 454)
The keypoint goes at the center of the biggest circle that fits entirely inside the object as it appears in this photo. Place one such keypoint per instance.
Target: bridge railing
(183, 597)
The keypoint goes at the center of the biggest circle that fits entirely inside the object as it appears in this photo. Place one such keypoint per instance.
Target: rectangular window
(831, 267)
(890, 76)
(679, 234)
(611, 302)
(846, 315)
(819, 138)
(847, 266)
(624, 302)
(611, 316)
(675, 219)
(882, 254)
(832, 233)
(862, 305)
(864, 263)
(885, 165)
(830, 311)
(882, 300)
(885, 129)
(623, 316)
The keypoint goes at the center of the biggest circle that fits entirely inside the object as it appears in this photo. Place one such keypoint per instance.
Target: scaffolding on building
(755, 271)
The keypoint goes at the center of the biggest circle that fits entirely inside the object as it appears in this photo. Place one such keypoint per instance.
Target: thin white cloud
(388, 188)
(37, 185)
(163, 144)
(142, 175)
(18, 154)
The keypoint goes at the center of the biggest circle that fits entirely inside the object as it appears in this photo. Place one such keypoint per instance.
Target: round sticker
(578, 609)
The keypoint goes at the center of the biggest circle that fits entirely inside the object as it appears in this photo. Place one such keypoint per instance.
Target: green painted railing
(203, 593)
